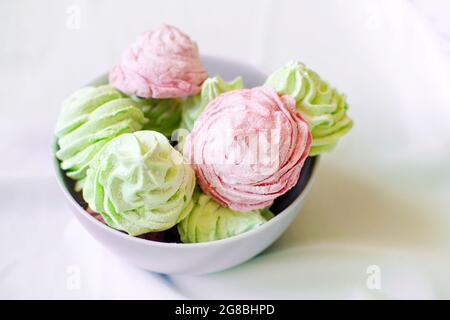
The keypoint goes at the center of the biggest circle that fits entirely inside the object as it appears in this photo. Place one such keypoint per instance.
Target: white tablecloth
(381, 201)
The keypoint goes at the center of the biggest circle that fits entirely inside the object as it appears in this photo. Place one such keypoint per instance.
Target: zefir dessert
(243, 148)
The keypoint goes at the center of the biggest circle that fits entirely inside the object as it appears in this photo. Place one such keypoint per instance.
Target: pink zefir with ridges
(163, 63)
(248, 147)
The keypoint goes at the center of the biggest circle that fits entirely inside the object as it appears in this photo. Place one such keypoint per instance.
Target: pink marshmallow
(248, 147)
(163, 63)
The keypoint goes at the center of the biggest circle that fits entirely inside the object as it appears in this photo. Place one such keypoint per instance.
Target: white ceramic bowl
(198, 258)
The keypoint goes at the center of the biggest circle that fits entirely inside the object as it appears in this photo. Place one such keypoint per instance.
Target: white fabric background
(381, 198)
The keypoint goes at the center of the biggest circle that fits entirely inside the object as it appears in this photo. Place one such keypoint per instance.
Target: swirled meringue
(211, 88)
(248, 147)
(164, 115)
(163, 63)
(138, 183)
(209, 221)
(321, 105)
(90, 118)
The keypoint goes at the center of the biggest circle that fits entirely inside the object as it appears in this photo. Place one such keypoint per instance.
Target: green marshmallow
(321, 105)
(164, 115)
(193, 106)
(90, 118)
(138, 183)
(209, 221)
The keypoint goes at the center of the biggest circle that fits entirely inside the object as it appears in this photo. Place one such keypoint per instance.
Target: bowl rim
(60, 178)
